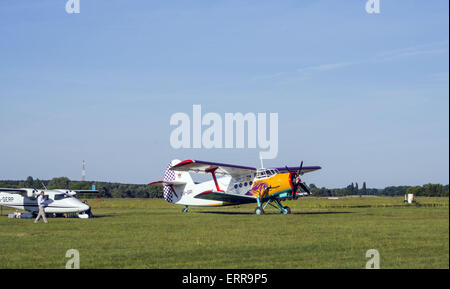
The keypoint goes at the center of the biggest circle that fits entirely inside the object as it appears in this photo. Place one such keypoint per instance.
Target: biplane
(233, 185)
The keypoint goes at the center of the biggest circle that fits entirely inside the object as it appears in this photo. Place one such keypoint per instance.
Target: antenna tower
(83, 171)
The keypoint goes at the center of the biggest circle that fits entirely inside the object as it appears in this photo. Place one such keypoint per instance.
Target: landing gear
(184, 210)
(285, 211)
(259, 211)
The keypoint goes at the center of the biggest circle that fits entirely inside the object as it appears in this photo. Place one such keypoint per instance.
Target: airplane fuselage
(249, 185)
(56, 202)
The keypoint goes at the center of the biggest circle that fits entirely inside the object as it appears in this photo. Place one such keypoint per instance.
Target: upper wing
(304, 169)
(218, 168)
(225, 197)
(85, 191)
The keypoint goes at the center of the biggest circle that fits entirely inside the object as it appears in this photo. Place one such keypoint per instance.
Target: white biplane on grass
(236, 185)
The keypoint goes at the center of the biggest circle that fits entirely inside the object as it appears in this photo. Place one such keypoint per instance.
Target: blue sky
(366, 96)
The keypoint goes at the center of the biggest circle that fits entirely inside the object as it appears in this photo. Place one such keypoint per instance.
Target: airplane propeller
(299, 171)
(297, 182)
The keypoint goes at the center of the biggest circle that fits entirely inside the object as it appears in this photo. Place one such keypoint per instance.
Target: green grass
(320, 233)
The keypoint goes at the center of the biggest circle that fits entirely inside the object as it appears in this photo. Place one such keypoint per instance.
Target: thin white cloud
(305, 71)
(325, 67)
(430, 48)
(385, 56)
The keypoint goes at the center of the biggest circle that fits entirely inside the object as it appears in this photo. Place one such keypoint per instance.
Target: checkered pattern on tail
(169, 176)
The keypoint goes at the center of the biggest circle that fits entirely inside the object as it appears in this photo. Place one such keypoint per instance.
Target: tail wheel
(259, 211)
(184, 210)
(286, 211)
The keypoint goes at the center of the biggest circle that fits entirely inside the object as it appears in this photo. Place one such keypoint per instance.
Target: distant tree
(6, 185)
(141, 192)
(350, 189)
(364, 189)
(435, 190)
(155, 192)
(314, 190)
(394, 191)
(445, 192)
(115, 193)
(416, 190)
(29, 182)
(104, 192)
(59, 183)
(38, 184)
(80, 185)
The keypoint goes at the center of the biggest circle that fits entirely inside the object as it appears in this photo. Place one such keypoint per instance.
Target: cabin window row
(243, 184)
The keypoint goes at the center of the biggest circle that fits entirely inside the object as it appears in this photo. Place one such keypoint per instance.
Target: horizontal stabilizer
(167, 183)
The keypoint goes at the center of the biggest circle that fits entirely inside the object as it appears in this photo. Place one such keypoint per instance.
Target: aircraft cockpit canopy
(61, 196)
(266, 173)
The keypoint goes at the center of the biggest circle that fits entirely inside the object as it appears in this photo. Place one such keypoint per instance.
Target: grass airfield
(320, 233)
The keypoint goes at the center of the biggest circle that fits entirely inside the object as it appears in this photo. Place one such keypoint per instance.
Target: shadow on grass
(271, 213)
(224, 213)
(104, 216)
(321, 213)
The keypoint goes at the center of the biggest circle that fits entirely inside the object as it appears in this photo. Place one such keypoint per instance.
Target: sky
(365, 96)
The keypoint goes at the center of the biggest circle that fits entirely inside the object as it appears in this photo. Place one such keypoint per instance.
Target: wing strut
(213, 173)
(173, 190)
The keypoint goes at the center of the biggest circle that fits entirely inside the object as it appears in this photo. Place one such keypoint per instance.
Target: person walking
(41, 204)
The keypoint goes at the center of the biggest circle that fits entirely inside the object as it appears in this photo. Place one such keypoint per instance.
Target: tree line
(119, 190)
(429, 190)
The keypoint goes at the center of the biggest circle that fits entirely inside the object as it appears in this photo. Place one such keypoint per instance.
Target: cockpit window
(61, 196)
(266, 173)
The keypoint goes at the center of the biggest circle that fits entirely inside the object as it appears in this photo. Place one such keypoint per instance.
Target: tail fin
(173, 193)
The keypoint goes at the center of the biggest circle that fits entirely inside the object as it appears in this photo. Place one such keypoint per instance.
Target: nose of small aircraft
(84, 207)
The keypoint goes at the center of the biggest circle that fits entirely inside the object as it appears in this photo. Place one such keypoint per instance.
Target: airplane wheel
(259, 211)
(287, 211)
(185, 210)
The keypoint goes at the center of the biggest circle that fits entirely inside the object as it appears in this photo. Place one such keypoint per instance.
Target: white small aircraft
(57, 201)
(238, 185)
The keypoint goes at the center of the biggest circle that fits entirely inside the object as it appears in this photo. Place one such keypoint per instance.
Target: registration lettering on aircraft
(6, 199)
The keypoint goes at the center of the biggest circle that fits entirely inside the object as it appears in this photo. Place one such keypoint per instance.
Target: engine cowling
(31, 193)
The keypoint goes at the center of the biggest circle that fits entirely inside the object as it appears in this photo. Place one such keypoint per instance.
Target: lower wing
(226, 198)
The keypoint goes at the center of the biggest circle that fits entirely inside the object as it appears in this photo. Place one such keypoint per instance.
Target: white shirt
(41, 201)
